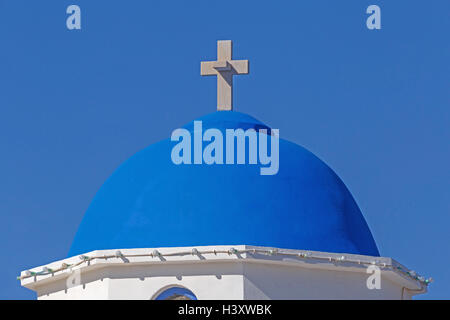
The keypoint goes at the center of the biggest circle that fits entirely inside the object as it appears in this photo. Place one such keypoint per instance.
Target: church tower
(222, 227)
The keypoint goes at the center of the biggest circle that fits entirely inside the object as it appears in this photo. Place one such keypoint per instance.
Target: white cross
(224, 68)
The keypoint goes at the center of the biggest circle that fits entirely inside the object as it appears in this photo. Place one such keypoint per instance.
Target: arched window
(176, 293)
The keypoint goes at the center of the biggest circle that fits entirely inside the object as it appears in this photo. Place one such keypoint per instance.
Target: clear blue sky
(373, 104)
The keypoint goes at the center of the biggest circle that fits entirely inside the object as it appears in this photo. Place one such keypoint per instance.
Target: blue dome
(151, 202)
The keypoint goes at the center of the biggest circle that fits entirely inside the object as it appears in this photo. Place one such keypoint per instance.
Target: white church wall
(265, 281)
(217, 272)
(215, 281)
(224, 280)
(93, 285)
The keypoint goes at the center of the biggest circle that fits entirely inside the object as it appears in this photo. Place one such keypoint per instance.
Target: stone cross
(224, 68)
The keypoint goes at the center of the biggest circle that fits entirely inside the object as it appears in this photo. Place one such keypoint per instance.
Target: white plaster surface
(223, 275)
